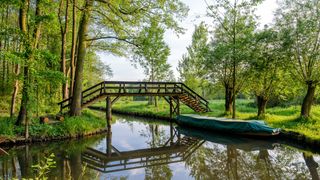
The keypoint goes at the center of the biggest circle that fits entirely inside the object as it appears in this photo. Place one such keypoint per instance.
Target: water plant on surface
(44, 167)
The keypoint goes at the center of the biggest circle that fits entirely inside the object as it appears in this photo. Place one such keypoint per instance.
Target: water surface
(138, 148)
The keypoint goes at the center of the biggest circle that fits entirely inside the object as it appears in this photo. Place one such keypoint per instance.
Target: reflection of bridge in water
(175, 149)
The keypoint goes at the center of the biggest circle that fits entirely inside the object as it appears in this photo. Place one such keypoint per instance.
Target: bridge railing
(195, 95)
(127, 88)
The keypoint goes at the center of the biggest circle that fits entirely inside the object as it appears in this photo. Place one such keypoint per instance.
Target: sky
(122, 68)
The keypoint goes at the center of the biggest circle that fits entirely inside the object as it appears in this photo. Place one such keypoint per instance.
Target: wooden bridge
(172, 92)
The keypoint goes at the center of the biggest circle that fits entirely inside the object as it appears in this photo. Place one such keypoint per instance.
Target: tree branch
(114, 37)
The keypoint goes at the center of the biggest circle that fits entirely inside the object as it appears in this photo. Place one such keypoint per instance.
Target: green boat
(214, 124)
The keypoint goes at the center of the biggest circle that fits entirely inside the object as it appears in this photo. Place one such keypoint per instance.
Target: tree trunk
(234, 73)
(25, 96)
(82, 35)
(28, 48)
(73, 48)
(15, 90)
(228, 99)
(308, 100)
(36, 33)
(150, 100)
(156, 101)
(63, 31)
(262, 104)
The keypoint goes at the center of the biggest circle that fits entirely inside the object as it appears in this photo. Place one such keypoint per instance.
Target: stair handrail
(195, 95)
(82, 95)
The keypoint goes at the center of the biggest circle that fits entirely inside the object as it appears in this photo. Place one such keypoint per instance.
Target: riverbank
(290, 138)
(89, 123)
(286, 118)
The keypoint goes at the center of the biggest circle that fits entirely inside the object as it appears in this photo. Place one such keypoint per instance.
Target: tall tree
(153, 54)
(73, 47)
(81, 54)
(299, 24)
(235, 22)
(63, 31)
(118, 22)
(192, 67)
(28, 55)
(266, 68)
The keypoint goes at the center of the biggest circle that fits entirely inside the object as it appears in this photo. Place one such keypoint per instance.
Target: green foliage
(298, 23)
(7, 126)
(192, 66)
(231, 46)
(95, 70)
(153, 54)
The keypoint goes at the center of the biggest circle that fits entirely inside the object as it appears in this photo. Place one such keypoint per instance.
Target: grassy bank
(71, 126)
(280, 117)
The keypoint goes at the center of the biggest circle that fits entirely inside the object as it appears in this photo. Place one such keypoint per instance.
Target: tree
(266, 68)
(299, 22)
(119, 22)
(153, 54)
(22, 118)
(75, 109)
(192, 69)
(235, 24)
(63, 30)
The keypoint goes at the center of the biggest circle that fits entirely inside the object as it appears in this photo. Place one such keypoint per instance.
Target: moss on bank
(286, 118)
(71, 126)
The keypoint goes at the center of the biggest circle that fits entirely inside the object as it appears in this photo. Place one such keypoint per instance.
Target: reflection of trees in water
(214, 161)
(312, 165)
(67, 157)
(158, 137)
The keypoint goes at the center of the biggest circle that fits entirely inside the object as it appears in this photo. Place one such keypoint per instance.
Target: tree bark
(262, 104)
(234, 64)
(1, 83)
(73, 48)
(63, 31)
(82, 35)
(228, 99)
(36, 33)
(25, 96)
(15, 90)
(308, 100)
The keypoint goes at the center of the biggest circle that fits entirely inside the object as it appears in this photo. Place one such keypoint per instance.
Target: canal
(137, 148)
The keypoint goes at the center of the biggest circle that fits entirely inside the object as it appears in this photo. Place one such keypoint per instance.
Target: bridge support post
(171, 107)
(174, 106)
(171, 133)
(178, 106)
(109, 142)
(108, 111)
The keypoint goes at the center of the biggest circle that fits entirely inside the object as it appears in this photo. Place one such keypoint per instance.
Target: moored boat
(214, 124)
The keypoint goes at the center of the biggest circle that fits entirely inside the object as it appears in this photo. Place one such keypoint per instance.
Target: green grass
(279, 117)
(89, 121)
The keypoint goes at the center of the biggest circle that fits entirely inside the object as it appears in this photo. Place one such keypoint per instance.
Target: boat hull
(250, 128)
